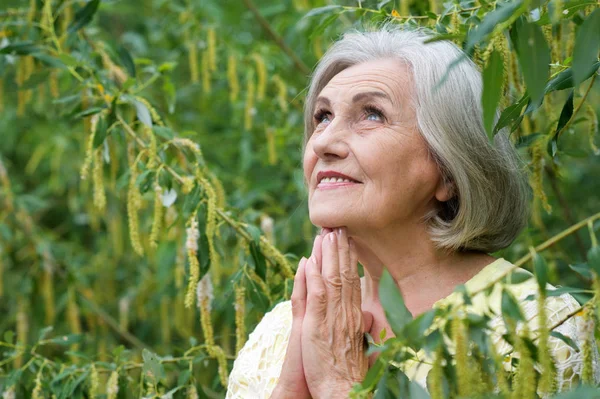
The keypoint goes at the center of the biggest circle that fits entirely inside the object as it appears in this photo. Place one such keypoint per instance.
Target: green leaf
(44, 332)
(565, 339)
(126, 60)
(511, 113)
(502, 13)
(164, 132)
(417, 391)
(66, 339)
(143, 113)
(593, 257)
(391, 299)
(88, 112)
(322, 10)
(510, 307)
(492, 90)
(541, 272)
(565, 114)
(101, 132)
(517, 277)
(20, 48)
(582, 269)
(526, 141)
(49, 60)
(260, 264)
(84, 16)
(534, 58)
(152, 367)
(9, 336)
(374, 374)
(580, 392)
(586, 47)
(203, 246)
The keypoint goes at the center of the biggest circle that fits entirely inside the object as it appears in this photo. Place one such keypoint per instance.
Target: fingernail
(313, 259)
(351, 243)
(331, 237)
(338, 231)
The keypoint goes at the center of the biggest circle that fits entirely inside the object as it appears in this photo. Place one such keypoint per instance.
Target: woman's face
(366, 129)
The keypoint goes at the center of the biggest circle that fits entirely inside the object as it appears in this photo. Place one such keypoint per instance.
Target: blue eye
(373, 117)
(322, 116)
(373, 114)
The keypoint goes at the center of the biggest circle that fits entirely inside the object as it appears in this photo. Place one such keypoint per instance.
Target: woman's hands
(333, 351)
(325, 354)
(292, 382)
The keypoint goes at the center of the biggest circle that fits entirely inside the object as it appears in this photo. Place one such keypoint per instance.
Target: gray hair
(491, 192)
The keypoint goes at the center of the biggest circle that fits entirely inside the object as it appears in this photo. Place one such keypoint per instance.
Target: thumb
(367, 320)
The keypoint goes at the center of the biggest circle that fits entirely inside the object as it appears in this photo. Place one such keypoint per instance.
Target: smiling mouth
(333, 182)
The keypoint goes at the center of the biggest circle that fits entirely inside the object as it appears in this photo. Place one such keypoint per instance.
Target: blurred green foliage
(89, 88)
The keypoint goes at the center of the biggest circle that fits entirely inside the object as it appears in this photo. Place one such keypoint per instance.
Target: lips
(330, 173)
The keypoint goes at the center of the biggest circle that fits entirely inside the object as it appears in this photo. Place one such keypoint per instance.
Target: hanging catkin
(249, 109)
(240, 312)
(547, 383)
(206, 75)
(133, 203)
(94, 382)
(590, 114)
(211, 40)
(22, 327)
(435, 379)
(112, 386)
(261, 74)
(204, 294)
(232, 79)
(461, 344)
(193, 61)
(281, 92)
(98, 181)
(587, 371)
(537, 160)
(524, 386)
(158, 216)
(37, 389)
(191, 245)
(48, 290)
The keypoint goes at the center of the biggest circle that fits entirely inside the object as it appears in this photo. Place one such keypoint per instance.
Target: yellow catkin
(587, 371)
(89, 155)
(232, 79)
(158, 216)
(19, 80)
(192, 392)
(515, 76)
(6, 190)
(48, 291)
(250, 97)
(317, 47)
(219, 191)
(187, 183)
(37, 389)
(124, 307)
(179, 268)
(211, 40)
(153, 148)
(193, 61)
(590, 114)
(275, 256)
(53, 83)
(547, 383)
(435, 379)
(271, 146)
(261, 74)
(22, 327)
(433, 6)
(501, 378)
(98, 181)
(281, 92)
(73, 316)
(459, 337)
(548, 35)
(405, 8)
(502, 44)
(217, 352)
(211, 221)
(165, 322)
(112, 386)
(524, 386)
(537, 161)
(570, 38)
(240, 312)
(133, 205)
(206, 75)
(192, 249)
(94, 382)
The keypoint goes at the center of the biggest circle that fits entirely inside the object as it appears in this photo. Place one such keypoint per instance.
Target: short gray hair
(491, 191)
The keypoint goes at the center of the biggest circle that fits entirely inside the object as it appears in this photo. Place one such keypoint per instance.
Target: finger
(317, 251)
(357, 291)
(347, 274)
(316, 297)
(298, 297)
(367, 321)
(330, 265)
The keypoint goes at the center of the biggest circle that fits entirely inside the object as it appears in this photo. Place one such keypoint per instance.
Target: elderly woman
(400, 175)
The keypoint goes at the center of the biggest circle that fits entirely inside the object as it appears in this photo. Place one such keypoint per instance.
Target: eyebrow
(357, 97)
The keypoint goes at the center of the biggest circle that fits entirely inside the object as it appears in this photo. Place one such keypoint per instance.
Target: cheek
(308, 163)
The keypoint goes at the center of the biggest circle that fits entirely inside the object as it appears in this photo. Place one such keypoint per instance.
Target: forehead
(393, 77)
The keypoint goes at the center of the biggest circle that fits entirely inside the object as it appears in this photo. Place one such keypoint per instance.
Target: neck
(423, 273)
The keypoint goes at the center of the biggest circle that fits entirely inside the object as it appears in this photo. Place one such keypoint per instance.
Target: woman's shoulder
(258, 364)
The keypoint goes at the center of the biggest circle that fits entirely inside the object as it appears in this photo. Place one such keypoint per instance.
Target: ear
(445, 190)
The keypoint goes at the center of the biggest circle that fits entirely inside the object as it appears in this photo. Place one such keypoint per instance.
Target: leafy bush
(144, 142)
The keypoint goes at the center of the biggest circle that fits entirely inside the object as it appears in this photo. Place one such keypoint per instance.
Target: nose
(331, 143)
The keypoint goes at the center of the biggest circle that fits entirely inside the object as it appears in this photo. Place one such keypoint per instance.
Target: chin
(325, 219)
